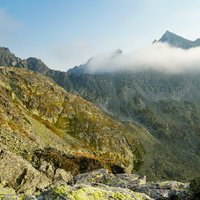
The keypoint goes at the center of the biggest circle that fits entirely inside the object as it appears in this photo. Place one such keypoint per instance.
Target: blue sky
(65, 33)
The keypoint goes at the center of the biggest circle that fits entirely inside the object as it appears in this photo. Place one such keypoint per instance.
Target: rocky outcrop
(62, 175)
(101, 185)
(20, 174)
(136, 183)
(92, 192)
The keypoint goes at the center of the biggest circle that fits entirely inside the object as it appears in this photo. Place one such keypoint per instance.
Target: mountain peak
(169, 36)
(7, 58)
(169, 33)
(178, 41)
(5, 49)
(35, 64)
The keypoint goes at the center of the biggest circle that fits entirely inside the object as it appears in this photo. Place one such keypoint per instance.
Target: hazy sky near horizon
(65, 33)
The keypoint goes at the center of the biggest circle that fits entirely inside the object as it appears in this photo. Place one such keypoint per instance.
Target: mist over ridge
(171, 54)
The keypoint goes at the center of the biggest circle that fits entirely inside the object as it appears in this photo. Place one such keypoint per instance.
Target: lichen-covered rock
(62, 175)
(134, 182)
(92, 192)
(97, 176)
(47, 169)
(4, 189)
(102, 185)
(164, 190)
(20, 174)
(117, 180)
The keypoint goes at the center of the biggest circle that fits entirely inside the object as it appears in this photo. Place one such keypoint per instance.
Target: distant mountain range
(167, 106)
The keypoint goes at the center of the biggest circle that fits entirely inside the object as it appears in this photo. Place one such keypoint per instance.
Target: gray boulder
(20, 174)
(62, 175)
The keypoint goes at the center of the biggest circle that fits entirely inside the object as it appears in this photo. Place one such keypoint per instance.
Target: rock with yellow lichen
(102, 185)
(92, 192)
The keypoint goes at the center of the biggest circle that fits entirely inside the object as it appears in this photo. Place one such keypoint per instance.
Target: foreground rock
(136, 183)
(92, 192)
(20, 174)
(102, 185)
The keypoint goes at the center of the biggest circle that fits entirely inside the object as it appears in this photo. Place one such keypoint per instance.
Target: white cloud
(158, 56)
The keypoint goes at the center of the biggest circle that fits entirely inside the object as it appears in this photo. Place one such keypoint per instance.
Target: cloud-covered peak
(178, 41)
(158, 56)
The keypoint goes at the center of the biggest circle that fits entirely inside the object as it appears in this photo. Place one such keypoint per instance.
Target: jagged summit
(178, 41)
(6, 49)
(170, 34)
(34, 64)
(170, 37)
(7, 58)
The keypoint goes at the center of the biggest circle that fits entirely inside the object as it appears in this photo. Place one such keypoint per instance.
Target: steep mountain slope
(167, 105)
(40, 121)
